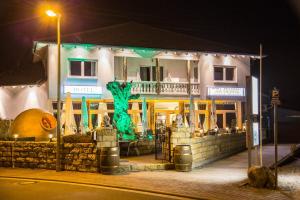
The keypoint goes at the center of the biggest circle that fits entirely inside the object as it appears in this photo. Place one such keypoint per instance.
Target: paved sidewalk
(219, 180)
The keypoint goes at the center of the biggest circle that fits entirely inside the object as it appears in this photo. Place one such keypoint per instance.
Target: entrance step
(134, 167)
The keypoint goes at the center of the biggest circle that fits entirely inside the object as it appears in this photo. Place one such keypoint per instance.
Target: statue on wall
(121, 120)
(106, 121)
(179, 121)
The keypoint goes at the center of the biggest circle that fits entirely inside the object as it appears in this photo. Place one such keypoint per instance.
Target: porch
(158, 76)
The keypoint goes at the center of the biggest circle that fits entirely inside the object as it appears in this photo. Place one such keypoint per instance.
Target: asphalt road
(30, 189)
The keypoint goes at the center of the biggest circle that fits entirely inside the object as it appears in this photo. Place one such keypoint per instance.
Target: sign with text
(82, 89)
(275, 97)
(226, 92)
(255, 133)
(255, 95)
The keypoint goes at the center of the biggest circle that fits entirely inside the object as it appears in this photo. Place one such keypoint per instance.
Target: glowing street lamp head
(51, 13)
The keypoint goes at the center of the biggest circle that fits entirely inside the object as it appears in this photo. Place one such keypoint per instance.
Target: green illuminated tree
(121, 120)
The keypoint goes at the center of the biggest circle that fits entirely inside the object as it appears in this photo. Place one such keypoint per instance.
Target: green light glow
(121, 119)
(84, 115)
(145, 52)
(71, 46)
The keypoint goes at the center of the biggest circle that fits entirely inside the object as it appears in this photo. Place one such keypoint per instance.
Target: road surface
(31, 189)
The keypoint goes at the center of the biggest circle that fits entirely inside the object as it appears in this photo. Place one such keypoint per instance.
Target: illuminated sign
(254, 96)
(226, 91)
(82, 89)
(255, 133)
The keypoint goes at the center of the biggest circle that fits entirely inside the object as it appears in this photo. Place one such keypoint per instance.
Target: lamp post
(51, 13)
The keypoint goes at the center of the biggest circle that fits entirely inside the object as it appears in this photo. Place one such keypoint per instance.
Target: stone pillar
(180, 136)
(106, 137)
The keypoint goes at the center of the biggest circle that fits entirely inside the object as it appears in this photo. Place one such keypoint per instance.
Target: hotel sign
(226, 92)
(83, 89)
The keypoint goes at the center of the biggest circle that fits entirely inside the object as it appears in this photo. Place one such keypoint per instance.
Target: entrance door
(220, 120)
(231, 120)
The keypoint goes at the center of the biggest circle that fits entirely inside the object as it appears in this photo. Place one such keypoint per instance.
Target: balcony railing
(166, 88)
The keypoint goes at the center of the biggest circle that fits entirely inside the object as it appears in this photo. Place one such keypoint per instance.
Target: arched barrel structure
(109, 160)
(183, 158)
(34, 123)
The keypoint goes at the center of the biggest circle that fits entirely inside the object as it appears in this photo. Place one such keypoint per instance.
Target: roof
(132, 34)
(26, 72)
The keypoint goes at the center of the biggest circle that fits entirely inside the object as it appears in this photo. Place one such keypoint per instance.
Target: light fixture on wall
(16, 136)
(50, 137)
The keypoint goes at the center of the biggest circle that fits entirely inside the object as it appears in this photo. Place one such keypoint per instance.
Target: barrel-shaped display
(183, 158)
(109, 160)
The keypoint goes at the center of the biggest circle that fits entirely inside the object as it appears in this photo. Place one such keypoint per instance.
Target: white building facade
(169, 79)
(206, 86)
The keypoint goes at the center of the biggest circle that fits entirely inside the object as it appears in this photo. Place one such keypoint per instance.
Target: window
(225, 73)
(75, 68)
(89, 68)
(149, 73)
(83, 68)
(218, 73)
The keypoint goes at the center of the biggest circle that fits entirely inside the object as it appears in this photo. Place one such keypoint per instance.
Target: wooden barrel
(183, 158)
(109, 160)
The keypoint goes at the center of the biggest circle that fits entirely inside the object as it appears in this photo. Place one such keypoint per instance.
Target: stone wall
(80, 157)
(211, 147)
(214, 147)
(75, 156)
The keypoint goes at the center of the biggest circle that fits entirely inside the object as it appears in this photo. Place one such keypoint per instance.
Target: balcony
(166, 88)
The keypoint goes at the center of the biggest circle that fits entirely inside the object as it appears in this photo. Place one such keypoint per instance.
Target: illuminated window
(224, 73)
(83, 68)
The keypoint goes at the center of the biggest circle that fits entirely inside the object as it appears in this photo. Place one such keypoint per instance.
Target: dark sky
(243, 23)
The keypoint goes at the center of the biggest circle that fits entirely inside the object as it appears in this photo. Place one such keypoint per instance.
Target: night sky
(246, 24)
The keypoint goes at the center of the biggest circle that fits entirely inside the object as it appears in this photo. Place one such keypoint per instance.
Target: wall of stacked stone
(211, 147)
(81, 157)
(75, 156)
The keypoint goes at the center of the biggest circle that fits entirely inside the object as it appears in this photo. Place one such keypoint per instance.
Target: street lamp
(52, 13)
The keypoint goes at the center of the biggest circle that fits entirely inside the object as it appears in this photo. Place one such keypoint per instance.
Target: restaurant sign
(226, 92)
(83, 89)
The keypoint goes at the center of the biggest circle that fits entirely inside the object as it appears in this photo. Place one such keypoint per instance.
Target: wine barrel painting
(34, 123)
(109, 160)
(183, 158)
